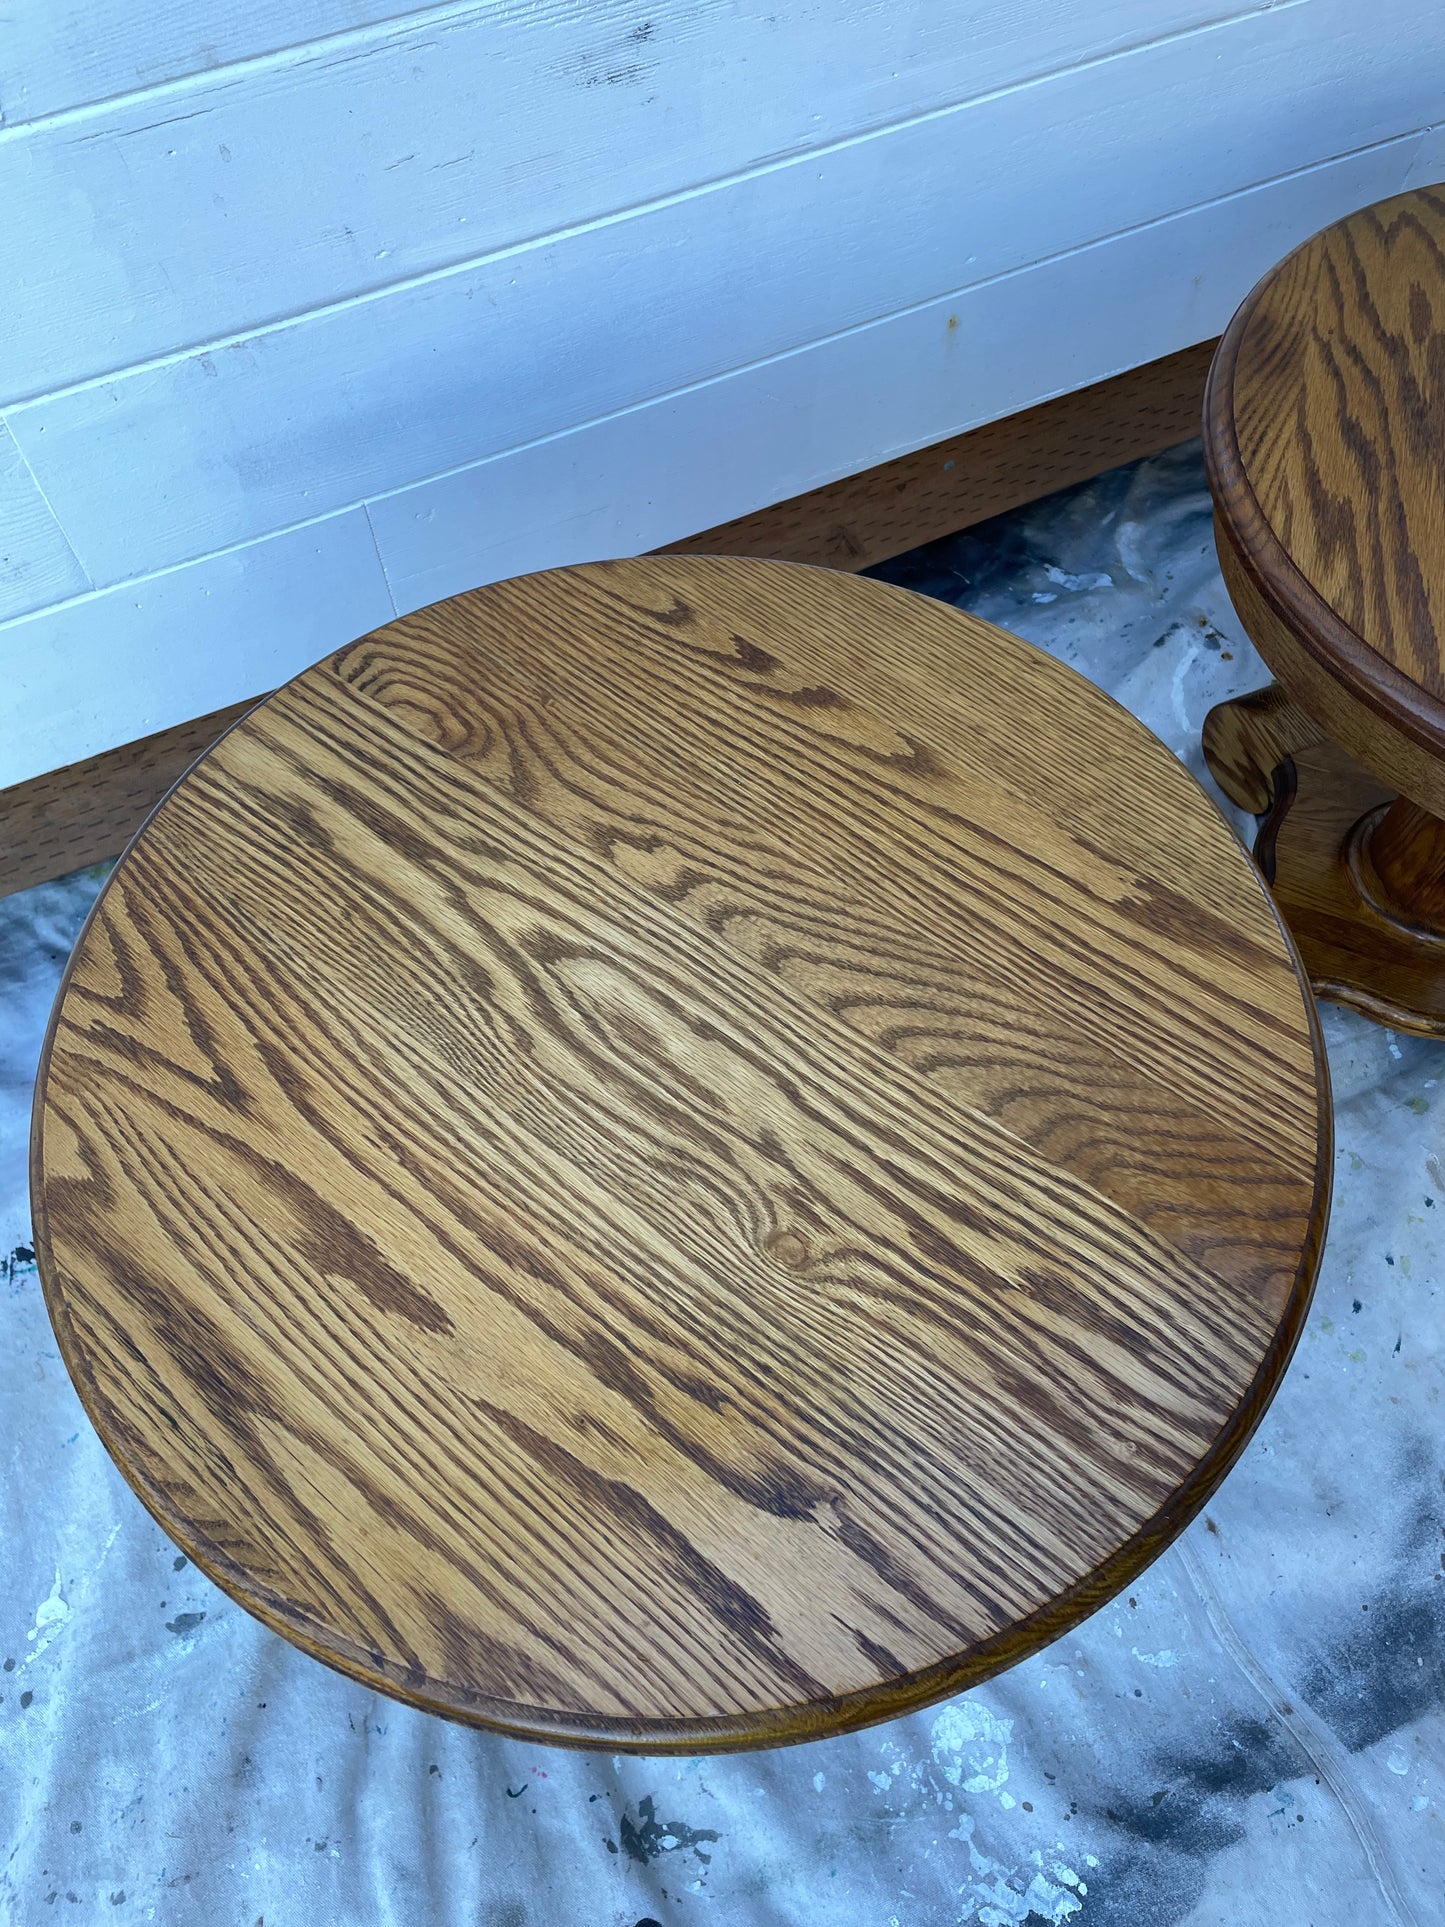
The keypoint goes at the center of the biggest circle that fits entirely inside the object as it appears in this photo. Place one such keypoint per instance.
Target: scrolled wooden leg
(1246, 740)
(1358, 874)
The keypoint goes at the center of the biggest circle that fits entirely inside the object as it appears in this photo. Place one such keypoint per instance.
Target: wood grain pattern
(616, 1163)
(1246, 739)
(90, 809)
(1325, 439)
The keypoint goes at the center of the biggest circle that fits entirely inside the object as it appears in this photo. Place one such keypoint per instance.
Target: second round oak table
(1324, 436)
(665, 1155)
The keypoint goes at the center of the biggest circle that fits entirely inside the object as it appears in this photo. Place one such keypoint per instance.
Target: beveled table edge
(771, 1726)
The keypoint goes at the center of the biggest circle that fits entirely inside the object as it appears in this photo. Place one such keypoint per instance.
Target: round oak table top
(1325, 439)
(680, 1154)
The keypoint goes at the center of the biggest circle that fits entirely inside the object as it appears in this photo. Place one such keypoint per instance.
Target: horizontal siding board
(1429, 165)
(37, 564)
(301, 419)
(64, 54)
(141, 657)
(164, 222)
(688, 462)
(61, 54)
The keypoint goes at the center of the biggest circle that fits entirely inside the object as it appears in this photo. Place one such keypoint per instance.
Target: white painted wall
(317, 311)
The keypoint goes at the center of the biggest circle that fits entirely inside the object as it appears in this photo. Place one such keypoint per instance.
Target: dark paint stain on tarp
(646, 1837)
(1388, 1673)
(1365, 1686)
(1195, 1804)
(184, 1623)
(1386, 1666)
(1157, 1869)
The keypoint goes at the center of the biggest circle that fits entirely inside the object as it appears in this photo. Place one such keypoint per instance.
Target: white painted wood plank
(60, 54)
(173, 219)
(1429, 167)
(110, 667)
(37, 564)
(690, 461)
(207, 450)
(118, 664)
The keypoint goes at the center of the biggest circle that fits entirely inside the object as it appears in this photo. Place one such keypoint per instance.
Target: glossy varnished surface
(666, 1154)
(1325, 435)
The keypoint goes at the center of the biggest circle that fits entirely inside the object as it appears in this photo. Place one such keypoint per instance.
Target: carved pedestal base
(1358, 873)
